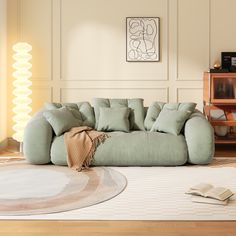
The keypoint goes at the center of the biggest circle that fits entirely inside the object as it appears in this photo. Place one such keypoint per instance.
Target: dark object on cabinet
(228, 60)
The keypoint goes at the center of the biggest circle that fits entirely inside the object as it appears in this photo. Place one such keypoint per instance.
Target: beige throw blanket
(81, 143)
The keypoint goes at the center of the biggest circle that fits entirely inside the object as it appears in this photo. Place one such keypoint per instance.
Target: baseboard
(4, 144)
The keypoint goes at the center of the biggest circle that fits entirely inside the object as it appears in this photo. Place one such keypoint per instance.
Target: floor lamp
(21, 90)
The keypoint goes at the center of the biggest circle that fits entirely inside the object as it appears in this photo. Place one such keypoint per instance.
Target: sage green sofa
(139, 147)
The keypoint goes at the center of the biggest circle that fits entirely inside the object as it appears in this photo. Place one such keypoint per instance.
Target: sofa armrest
(37, 141)
(199, 136)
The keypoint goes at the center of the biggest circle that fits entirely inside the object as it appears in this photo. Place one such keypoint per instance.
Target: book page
(200, 189)
(208, 200)
(219, 193)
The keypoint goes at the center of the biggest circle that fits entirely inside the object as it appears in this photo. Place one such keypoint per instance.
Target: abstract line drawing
(142, 39)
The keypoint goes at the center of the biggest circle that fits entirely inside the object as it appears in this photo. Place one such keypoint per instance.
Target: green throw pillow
(114, 119)
(61, 120)
(171, 121)
(156, 107)
(81, 110)
(136, 117)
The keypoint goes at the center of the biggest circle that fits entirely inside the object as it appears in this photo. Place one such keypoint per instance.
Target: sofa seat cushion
(138, 148)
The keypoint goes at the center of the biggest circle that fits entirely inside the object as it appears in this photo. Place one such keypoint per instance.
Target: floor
(127, 228)
(115, 228)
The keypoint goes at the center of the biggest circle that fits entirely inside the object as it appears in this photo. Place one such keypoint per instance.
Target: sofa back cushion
(84, 109)
(114, 119)
(136, 117)
(156, 107)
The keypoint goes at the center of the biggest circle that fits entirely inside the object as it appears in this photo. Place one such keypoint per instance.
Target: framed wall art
(142, 39)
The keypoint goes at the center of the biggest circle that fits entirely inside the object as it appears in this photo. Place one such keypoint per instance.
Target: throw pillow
(136, 110)
(171, 121)
(114, 119)
(156, 107)
(85, 111)
(61, 120)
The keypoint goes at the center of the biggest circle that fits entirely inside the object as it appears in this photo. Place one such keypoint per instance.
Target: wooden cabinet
(219, 97)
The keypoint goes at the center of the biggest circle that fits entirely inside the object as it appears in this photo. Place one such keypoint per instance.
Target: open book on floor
(209, 191)
(208, 200)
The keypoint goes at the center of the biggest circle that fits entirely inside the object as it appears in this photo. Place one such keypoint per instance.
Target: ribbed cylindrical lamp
(22, 89)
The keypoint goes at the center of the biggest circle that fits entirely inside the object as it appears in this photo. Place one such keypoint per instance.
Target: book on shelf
(207, 200)
(209, 191)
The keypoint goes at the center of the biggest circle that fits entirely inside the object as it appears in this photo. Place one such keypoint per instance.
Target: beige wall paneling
(184, 94)
(93, 42)
(3, 71)
(56, 49)
(79, 47)
(36, 29)
(172, 40)
(188, 47)
(223, 30)
(86, 94)
(193, 39)
(86, 90)
(40, 95)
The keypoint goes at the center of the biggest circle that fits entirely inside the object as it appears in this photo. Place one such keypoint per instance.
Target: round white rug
(29, 189)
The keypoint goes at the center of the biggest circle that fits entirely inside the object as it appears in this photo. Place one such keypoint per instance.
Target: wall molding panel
(36, 27)
(81, 94)
(80, 53)
(182, 93)
(40, 95)
(124, 71)
(192, 39)
(71, 28)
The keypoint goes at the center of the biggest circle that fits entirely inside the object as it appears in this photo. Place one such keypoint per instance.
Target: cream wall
(3, 74)
(79, 47)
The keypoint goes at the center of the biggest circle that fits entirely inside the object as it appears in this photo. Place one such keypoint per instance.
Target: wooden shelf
(223, 123)
(225, 141)
(228, 114)
(230, 139)
(223, 102)
(212, 100)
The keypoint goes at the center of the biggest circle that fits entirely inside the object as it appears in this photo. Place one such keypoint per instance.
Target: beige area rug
(29, 189)
(157, 193)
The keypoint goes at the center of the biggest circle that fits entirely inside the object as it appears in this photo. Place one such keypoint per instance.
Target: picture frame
(142, 39)
(228, 61)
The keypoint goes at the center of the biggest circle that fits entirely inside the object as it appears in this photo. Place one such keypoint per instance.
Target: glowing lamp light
(21, 90)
